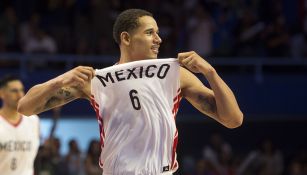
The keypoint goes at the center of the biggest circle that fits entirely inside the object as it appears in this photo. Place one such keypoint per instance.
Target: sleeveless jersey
(18, 145)
(136, 104)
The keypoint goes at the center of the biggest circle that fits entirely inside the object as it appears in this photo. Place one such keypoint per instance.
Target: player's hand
(77, 77)
(192, 61)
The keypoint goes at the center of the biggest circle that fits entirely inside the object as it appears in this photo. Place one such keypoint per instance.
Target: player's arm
(65, 88)
(218, 102)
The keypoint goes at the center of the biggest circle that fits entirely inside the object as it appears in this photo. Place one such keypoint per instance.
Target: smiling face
(144, 41)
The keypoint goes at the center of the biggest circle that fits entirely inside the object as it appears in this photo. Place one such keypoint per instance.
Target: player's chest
(21, 132)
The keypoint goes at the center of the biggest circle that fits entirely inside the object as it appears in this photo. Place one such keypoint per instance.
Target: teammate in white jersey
(137, 35)
(19, 135)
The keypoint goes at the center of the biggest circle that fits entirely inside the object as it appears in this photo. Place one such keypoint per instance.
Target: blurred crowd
(219, 158)
(216, 158)
(251, 28)
(49, 160)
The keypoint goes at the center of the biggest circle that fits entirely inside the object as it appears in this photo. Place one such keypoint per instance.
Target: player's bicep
(201, 97)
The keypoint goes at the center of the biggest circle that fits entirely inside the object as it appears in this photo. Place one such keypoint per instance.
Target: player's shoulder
(187, 79)
(33, 118)
(184, 73)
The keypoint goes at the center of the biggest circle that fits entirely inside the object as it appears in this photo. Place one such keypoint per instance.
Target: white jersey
(136, 104)
(18, 145)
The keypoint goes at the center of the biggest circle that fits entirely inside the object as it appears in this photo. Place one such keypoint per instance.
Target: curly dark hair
(127, 21)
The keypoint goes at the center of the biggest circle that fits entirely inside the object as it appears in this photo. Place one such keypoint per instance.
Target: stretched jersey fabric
(136, 104)
(18, 145)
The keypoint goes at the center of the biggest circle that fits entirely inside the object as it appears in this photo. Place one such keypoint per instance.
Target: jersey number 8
(14, 164)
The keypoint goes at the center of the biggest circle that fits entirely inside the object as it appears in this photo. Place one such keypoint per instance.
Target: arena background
(257, 46)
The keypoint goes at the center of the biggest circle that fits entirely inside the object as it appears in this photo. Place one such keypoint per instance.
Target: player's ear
(125, 38)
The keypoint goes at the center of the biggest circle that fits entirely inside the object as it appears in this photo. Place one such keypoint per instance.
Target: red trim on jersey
(13, 124)
(95, 105)
(100, 163)
(174, 155)
(176, 100)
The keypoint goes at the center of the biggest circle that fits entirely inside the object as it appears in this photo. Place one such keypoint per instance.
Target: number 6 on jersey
(134, 99)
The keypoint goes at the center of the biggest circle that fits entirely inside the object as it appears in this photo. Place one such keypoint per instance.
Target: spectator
(204, 167)
(218, 154)
(49, 160)
(247, 33)
(297, 43)
(8, 29)
(27, 28)
(296, 168)
(276, 38)
(73, 159)
(201, 28)
(223, 37)
(92, 158)
(40, 42)
(268, 160)
(43, 164)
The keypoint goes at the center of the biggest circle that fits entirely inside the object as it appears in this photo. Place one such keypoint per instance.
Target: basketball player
(136, 101)
(19, 135)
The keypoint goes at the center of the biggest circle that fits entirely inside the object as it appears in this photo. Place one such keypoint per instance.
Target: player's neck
(121, 61)
(10, 114)
(124, 59)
